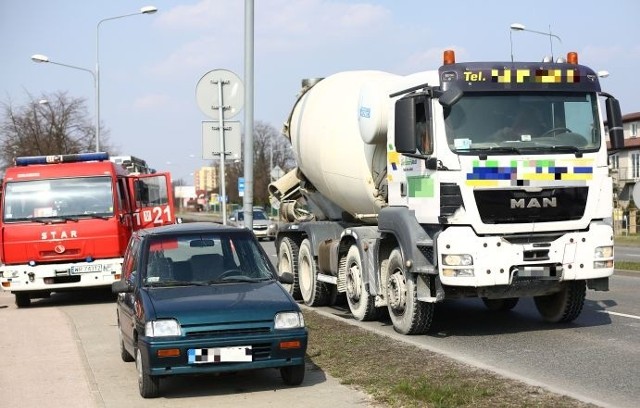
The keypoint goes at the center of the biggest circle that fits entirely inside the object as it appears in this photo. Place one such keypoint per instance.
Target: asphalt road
(626, 253)
(596, 358)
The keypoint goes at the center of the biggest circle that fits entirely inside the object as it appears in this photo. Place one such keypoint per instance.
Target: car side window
(131, 260)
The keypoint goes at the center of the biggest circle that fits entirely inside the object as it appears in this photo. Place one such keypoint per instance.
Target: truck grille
(519, 205)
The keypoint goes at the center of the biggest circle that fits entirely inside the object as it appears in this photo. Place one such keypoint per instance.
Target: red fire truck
(66, 221)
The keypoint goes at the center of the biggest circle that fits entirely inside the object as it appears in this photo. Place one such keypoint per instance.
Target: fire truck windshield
(57, 198)
(531, 122)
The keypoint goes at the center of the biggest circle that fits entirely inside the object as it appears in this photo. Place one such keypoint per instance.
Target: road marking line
(619, 314)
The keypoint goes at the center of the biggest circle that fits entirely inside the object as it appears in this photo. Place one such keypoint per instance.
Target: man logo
(522, 203)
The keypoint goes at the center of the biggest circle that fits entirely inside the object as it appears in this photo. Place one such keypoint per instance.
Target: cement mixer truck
(414, 189)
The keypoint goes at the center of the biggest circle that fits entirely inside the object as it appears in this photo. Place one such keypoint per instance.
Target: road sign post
(213, 90)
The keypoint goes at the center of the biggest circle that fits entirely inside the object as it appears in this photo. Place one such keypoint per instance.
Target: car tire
(361, 303)
(288, 262)
(148, 385)
(292, 375)
(564, 306)
(500, 305)
(313, 291)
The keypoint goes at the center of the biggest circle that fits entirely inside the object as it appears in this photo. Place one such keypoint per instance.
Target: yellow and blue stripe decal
(491, 173)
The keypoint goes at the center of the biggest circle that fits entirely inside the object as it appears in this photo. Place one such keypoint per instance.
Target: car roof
(191, 228)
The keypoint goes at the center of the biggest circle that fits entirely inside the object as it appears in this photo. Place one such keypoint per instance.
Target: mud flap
(429, 288)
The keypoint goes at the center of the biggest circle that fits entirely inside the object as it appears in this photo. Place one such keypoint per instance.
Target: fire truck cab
(65, 221)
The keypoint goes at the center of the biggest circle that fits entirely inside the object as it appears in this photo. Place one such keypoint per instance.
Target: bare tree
(266, 141)
(50, 125)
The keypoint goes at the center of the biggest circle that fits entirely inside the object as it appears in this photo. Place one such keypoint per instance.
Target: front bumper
(500, 260)
(266, 353)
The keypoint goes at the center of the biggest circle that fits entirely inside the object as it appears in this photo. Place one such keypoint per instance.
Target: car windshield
(512, 123)
(205, 259)
(57, 198)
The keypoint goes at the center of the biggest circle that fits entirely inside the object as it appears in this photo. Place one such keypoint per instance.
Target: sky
(150, 65)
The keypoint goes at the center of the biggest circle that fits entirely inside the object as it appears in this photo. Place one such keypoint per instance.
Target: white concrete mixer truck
(414, 189)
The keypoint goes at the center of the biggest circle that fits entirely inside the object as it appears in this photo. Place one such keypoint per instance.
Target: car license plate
(85, 268)
(220, 355)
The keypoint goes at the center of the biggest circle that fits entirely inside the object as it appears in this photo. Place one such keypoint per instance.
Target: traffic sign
(208, 94)
(241, 186)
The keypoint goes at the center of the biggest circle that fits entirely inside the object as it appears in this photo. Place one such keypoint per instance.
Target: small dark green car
(199, 298)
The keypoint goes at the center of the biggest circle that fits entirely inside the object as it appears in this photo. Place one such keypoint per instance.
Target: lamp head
(517, 27)
(39, 58)
(148, 10)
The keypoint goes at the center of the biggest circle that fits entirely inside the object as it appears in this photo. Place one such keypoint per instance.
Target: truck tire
(408, 315)
(23, 299)
(148, 385)
(288, 262)
(313, 292)
(292, 375)
(500, 305)
(563, 306)
(361, 303)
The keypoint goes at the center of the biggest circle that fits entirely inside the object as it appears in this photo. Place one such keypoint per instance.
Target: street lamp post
(39, 58)
(96, 74)
(521, 27)
(143, 10)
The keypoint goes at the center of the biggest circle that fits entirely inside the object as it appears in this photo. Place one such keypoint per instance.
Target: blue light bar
(61, 158)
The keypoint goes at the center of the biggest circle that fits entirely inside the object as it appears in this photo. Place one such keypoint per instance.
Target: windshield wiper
(558, 148)
(241, 278)
(167, 283)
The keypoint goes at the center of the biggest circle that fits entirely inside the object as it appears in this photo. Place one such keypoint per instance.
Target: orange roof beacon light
(572, 58)
(449, 57)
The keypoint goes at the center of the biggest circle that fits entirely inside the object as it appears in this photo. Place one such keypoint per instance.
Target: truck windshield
(57, 198)
(532, 123)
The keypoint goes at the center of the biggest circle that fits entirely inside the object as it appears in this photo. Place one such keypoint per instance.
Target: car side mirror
(286, 278)
(121, 286)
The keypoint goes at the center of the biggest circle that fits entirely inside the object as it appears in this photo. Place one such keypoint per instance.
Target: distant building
(625, 162)
(206, 179)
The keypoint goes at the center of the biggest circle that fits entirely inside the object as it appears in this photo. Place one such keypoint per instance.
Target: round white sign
(208, 94)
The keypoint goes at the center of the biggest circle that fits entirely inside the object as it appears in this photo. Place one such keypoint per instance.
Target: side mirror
(121, 286)
(614, 122)
(286, 278)
(405, 126)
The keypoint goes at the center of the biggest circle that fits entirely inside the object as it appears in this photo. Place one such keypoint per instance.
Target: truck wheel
(288, 262)
(500, 305)
(564, 306)
(148, 385)
(361, 304)
(313, 292)
(408, 315)
(23, 299)
(292, 375)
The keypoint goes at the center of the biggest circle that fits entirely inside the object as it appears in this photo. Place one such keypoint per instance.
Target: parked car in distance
(201, 297)
(263, 226)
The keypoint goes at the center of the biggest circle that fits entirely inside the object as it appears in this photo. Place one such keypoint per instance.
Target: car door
(126, 301)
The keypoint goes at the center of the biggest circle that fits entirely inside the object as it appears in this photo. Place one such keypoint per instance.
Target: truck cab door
(151, 200)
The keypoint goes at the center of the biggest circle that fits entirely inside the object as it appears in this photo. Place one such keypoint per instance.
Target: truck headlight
(457, 260)
(162, 328)
(288, 320)
(604, 252)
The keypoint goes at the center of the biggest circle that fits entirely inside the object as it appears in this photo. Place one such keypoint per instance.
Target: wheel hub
(397, 293)
(354, 283)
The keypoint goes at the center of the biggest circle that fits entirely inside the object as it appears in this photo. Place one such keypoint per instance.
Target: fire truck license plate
(85, 268)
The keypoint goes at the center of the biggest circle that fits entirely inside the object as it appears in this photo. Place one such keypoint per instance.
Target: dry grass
(396, 374)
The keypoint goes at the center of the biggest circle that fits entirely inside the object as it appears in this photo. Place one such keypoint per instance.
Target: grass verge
(396, 374)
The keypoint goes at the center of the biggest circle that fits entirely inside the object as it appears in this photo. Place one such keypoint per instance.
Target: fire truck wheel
(23, 299)
(563, 306)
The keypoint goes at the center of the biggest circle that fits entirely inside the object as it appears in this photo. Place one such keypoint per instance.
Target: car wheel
(292, 375)
(500, 305)
(313, 291)
(564, 306)
(288, 262)
(148, 385)
(361, 303)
